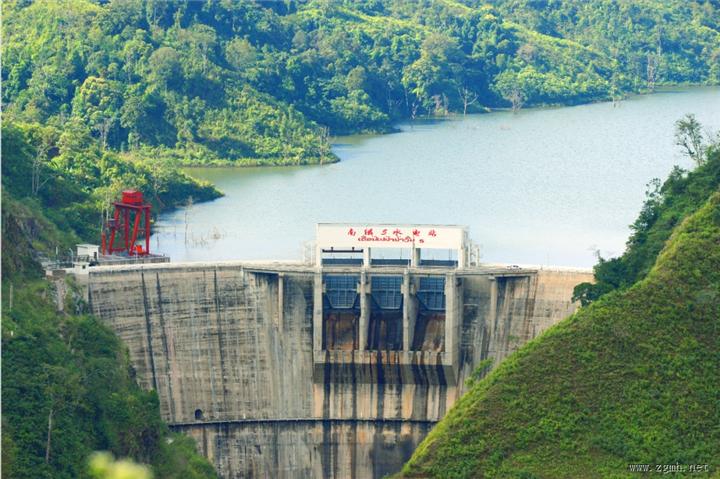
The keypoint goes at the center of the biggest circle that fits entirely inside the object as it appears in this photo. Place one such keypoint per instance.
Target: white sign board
(358, 236)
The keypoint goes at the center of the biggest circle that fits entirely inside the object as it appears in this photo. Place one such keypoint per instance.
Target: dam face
(333, 369)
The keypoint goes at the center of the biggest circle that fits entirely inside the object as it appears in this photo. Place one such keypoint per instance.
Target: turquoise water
(544, 186)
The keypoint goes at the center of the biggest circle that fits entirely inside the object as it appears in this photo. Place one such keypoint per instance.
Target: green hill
(265, 82)
(631, 379)
(68, 388)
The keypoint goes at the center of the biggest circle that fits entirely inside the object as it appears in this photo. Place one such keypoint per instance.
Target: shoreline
(452, 116)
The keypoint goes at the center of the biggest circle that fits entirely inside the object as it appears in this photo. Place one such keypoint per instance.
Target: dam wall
(253, 362)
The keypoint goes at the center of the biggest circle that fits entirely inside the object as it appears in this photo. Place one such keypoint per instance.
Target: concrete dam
(337, 367)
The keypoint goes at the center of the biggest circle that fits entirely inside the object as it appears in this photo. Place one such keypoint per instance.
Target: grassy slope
(633, 378)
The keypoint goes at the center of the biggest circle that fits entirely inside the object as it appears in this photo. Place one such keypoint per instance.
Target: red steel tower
(129, 223)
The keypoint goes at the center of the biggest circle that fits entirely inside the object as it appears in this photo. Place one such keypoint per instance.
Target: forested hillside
(99, 96)
(265, 83)
(68, 389)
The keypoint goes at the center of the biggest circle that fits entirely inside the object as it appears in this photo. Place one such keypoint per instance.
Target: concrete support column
(408, 316)
(493, 301)
(415, 259)
(451, 318)
(318, 255)
(317, 312)
(366, 257)
(281, 300)
(364, 290)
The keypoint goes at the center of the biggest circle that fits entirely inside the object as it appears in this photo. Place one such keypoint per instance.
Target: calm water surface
(545, 186)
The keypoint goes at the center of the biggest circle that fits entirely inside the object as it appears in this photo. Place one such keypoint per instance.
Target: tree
(165, 66)
(356, 78)
(64, 391)
(97, 104)
(240, 54)
(467, 96)
(509, 87)
(135, 54)
(519, 87)
(527, 52)
(435, 72)
(652, 67)
(688, 135)
(202, 40)
(39, 161)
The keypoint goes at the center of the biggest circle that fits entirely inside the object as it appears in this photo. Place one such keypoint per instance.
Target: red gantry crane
(130, 223)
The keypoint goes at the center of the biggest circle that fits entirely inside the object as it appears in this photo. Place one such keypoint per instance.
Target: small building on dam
(337, 366)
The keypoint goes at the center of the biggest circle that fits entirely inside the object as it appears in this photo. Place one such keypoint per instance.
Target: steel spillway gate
(430, 323)
(385, 328)
(387, 292)
(374, 323)
(431, 293)
(341, 312)
(388, 318)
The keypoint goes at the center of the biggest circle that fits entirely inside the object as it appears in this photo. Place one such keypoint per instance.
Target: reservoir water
(543, 186)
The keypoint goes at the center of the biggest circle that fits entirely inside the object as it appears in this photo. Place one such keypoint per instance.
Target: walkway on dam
(298, 267)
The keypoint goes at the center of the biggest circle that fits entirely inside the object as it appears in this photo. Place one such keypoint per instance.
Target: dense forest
(266, 83)
(101, 96)
(629, 380)
(68, 388)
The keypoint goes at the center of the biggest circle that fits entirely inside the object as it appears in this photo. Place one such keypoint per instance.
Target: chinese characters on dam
(396, 235)
(360, 235)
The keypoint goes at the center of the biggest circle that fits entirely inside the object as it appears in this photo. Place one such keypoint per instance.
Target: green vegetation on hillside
(247, 83)
(630, 379)
(68, 389)
(64, 174)
(667, 204)
(99, 96)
